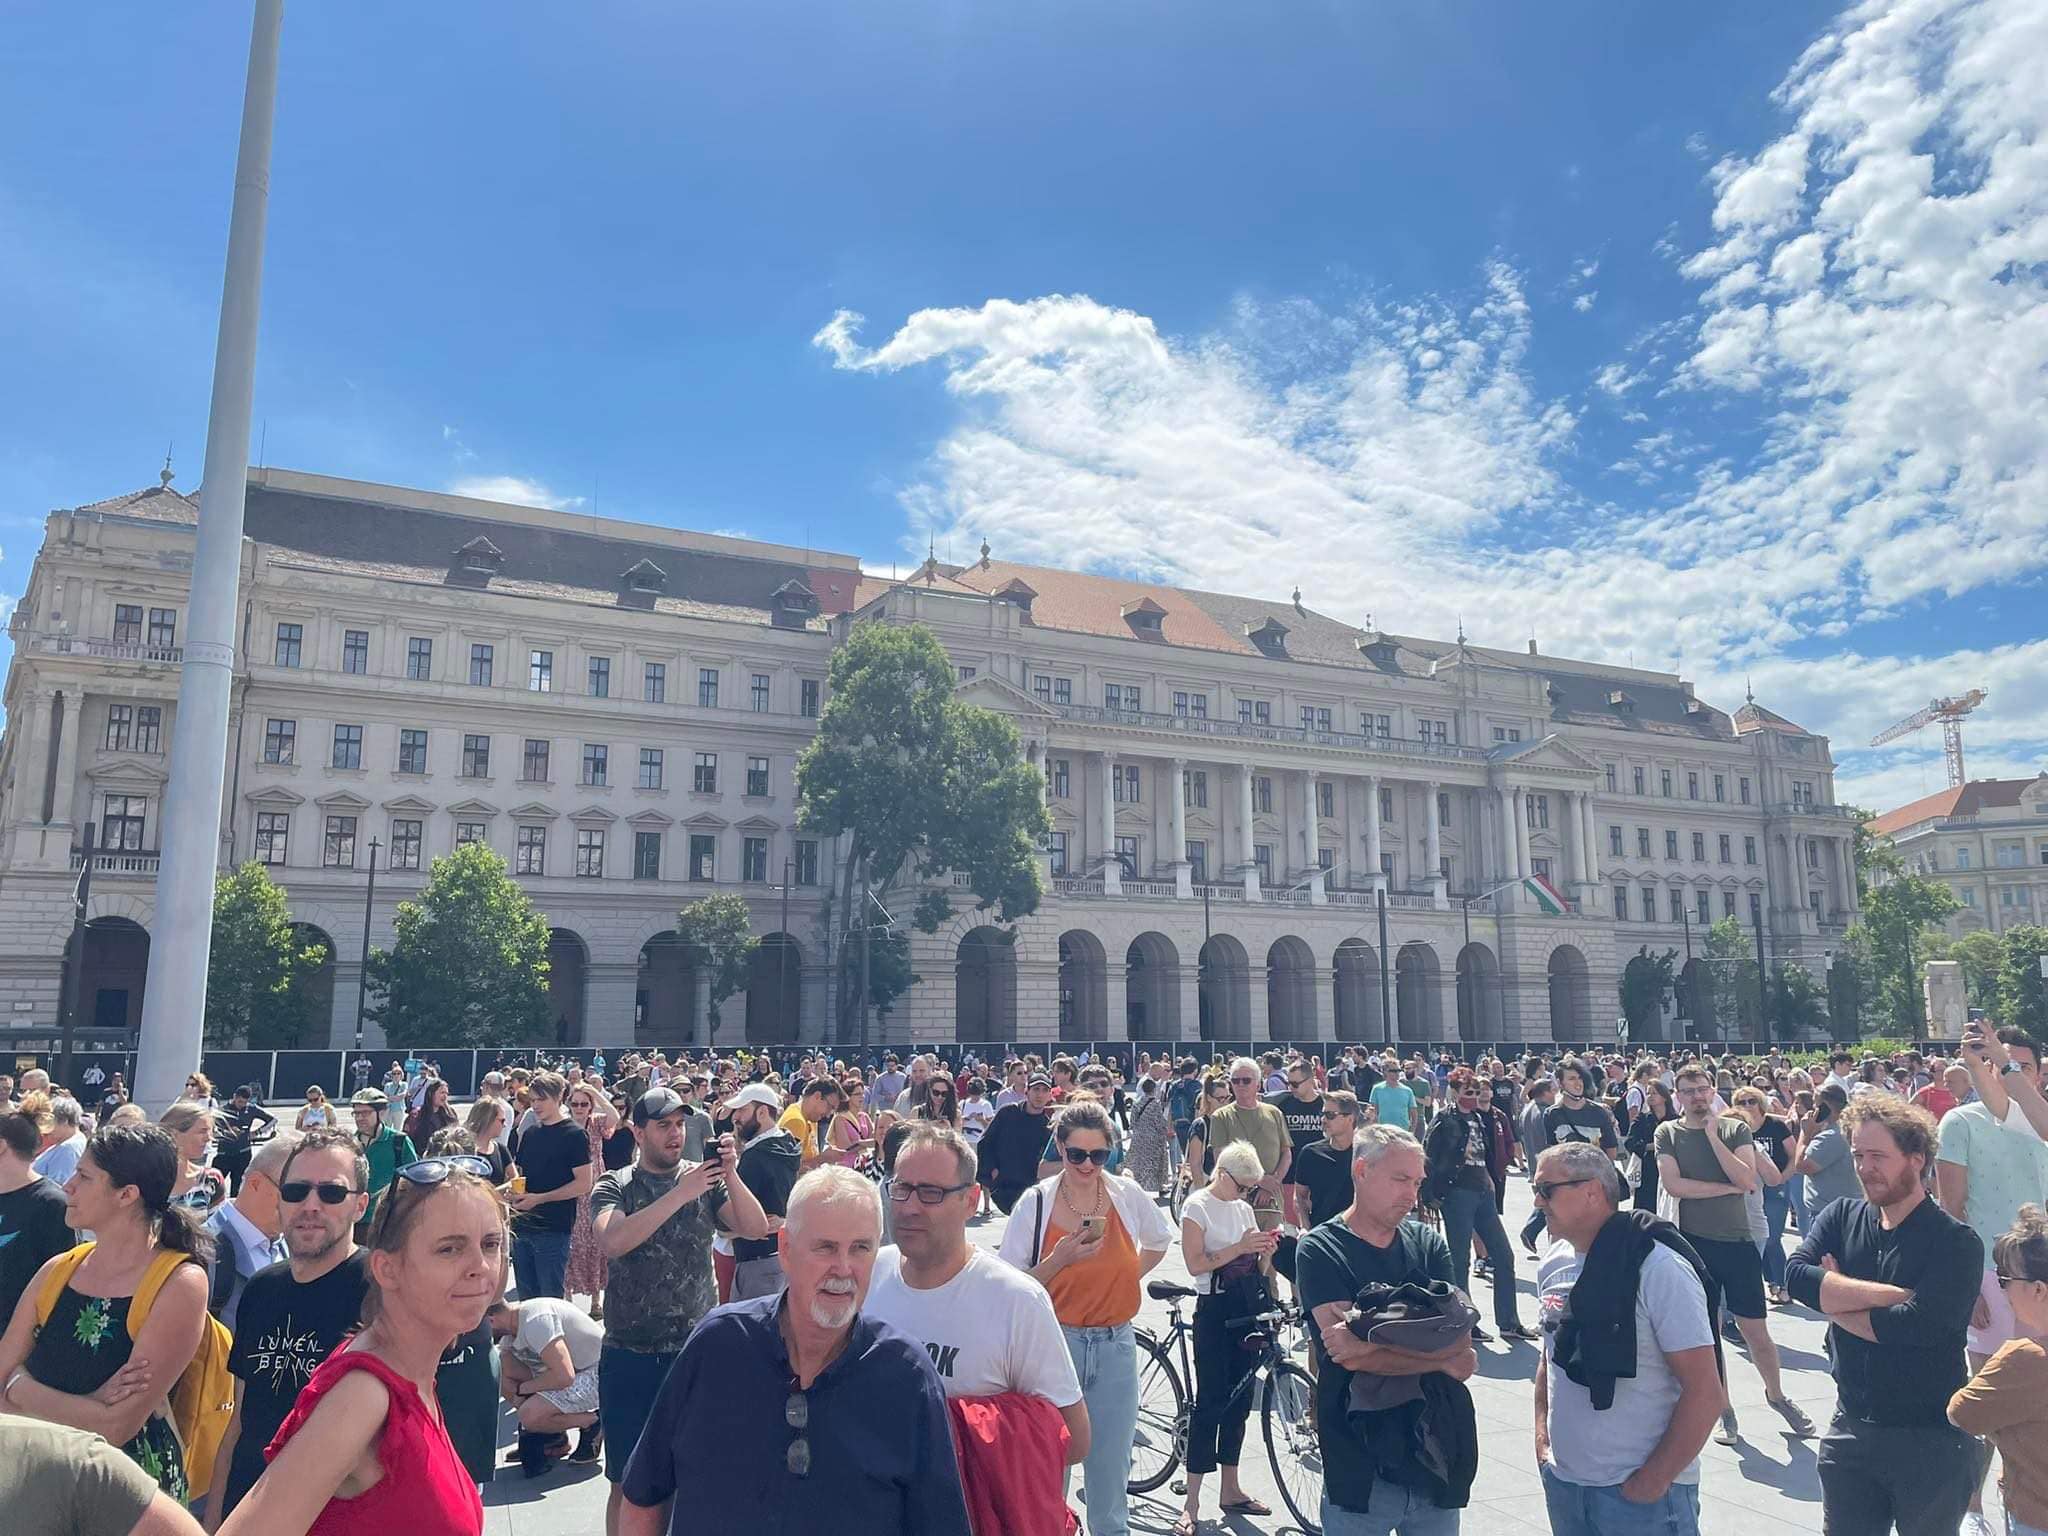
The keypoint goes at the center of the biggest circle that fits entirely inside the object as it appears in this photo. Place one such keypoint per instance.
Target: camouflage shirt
(658, 1291)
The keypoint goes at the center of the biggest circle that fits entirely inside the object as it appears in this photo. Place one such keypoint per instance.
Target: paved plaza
(1768, 1483)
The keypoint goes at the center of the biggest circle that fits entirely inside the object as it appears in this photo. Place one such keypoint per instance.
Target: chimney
(1532, 645)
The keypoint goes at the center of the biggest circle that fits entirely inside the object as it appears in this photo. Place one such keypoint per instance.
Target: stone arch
(1418, 1005)
(1084, 986)
(1290, 989)
(316, 992)
(1152, 988)
(1355, 993)
(568, 983)
(113, 977)
(985, 985)
(1479, 994)
(1223, 989)
(775, 991)
(665, 991)
(1696, 997)
(1571, 994)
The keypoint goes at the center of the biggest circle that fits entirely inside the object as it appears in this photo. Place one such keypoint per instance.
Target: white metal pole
(175, 997)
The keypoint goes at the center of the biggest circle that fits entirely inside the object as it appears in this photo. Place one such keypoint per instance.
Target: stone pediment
(650, 820)
(118, 769)
(592, 814)
(342, 800)
(472, 809)
(758, 824)
(277, 794)
(533, 810)
(1003, 697)
(410, 803)
(705, 821)
(1551, 753)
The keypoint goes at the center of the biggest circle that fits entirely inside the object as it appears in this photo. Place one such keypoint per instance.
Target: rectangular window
(540, 671)
(1727, 903)
(707, 687)
(807, 695)
(121, 823)
(1742, 786)
(280, 740)
(1180, 704)
(1375, 725)
(472, 832)
(533, 761)
(1262, 860)
(1638, 778)
(163, 629)
(600, 677)
(127, 624)
(1670, 844)
(289, 638)
(1649, 904)
(1322, 720)
(1642, 842)
(1677, 905)
(1117, 699)
(1198, 861)
(1386, 805)
(1614, 842)
(1061, 771)
(654, 682)
(650, 767)
(969, 674)
(1813, 855)
(704, 778)
(1749, 850)
(355, 650)
(806, 861)
(754, 859)
(120, 725)
(1326, 858)
(1621, 903)
(1194, 786)
(1962, 858)
(646, 855)
(339, 849)
(597, 764)
(1326, 799)
(1699, 847)
(476, 757)
(757, 693)
(1539, 812)
(412, 751)
(530, 854)
(1721, 787)
(1756, 907)
(1063, 690)
(1506, 733)
(1725, 849)
(480, 665)
(1703, 907)
(1041, 684)
(149, 720)
(405, 843)
(1056, 849)
(703, 856)
(273, 828)
(1262, 794)
(1126, 783)
(419, 659)
(1127, 855)
(1664, 781)
(1692, 786)
(1541, 867)
(757, 776)
(348, 747)
(589, 853)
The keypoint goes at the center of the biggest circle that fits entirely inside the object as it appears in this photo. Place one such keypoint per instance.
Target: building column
(1523, 865)
(1116, 1023)
(1312, 838)
(700, 1011)
(65, 790)
(1105, 828)
(610, 989)
(1591, 845)
(1375, 880)
(1575, 805)
(32, 758)
(1188, 982)
(1507, 833)
(1177, 832)
(1258, 1021)
(1432, 846)
(1246, 835)
(1326, 1003)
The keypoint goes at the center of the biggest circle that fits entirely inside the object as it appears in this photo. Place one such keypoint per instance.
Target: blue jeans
(1576, 1510)
(1777, 1206)
(1395, 1511)
(628, 1382)
(1470, 1211)
(540, 1263)
(1106, 1361)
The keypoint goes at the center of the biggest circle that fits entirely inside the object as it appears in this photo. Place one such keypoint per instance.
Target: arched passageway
(1152, 988)
(775, 992)
(985, 986)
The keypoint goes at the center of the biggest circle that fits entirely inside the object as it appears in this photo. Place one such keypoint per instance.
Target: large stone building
(1988, 840)
(617, 709)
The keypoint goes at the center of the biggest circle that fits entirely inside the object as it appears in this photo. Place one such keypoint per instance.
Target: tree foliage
(1897, 916)
(718, 933)
(1646, 985)
(258, 968)
(1799, 1004)
(1982, 957)
(469, 964)
(921, 785)
(1738, 1007)
(2022, 993)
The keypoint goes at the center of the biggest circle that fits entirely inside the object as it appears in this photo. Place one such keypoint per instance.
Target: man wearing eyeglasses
(1247, 1117)
(1320, 1175)
(246, 1228)
(988, 1327)
(293, 1314)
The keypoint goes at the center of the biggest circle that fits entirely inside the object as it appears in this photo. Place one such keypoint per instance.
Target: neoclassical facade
(1988, 841)
(1268, 824)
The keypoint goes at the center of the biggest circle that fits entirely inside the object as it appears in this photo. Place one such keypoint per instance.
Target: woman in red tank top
(364, 1451)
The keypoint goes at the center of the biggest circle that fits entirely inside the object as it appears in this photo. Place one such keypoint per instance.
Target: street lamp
(363, 971)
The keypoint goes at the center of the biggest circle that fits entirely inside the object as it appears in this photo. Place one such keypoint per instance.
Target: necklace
(1101, 1194)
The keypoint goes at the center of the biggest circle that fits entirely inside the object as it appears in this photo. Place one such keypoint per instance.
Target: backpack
(203, 1401)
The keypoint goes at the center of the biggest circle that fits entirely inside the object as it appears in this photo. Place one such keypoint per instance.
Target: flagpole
(174, 996)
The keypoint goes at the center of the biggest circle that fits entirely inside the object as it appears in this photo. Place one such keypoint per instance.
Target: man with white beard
(787, 1401)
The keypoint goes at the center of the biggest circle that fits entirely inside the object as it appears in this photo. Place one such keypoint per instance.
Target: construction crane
(1950, 713)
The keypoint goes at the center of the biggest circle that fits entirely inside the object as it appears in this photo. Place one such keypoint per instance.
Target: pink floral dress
(588, 1271)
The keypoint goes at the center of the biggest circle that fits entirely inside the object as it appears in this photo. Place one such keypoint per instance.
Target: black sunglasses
(1543, 1189)
(425, 1174)
(1099, 1156)
(796, 1413)
(297, 1191)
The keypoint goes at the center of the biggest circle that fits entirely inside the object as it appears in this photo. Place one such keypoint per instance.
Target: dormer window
(1146, 618)
(1018, 594)
(1621, 702)
(1377, 648)
(644, 576)
(476, 562)
(795, 604)
(1269, 635)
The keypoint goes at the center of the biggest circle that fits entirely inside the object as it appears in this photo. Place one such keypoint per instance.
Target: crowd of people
(248, 1320)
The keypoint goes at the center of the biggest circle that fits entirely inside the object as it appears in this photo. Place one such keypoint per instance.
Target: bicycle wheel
(1162, 1417)
(1287, 1418)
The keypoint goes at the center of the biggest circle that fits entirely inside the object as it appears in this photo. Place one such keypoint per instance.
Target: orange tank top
(1100, 1292)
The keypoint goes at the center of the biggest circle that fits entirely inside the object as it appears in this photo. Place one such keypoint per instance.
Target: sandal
(1186, 1525)
(1246, 1506)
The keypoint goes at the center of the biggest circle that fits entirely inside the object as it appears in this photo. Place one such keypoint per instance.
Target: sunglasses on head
(1099, 1156)
(297, 1191)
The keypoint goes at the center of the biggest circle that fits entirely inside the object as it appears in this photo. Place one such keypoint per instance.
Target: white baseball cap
(754, 1093)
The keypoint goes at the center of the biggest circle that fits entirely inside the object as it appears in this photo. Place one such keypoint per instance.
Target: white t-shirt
(975, 1115)
(1598, 1448)
(546, 1319)
(989, 1329)
(1223, 1222)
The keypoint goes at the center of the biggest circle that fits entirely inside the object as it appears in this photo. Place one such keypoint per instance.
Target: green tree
(1738, 1010)
(258, 967)
(922, 785)
(718, 932)
(1982, 957)
(2022, 994)
(1646, 983)
(1799, 1004)
(1896, 915)
(1849, 985)
(1875, 858)
(469, 964)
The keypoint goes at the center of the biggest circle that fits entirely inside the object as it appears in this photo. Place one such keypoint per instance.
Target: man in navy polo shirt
(797, 1400)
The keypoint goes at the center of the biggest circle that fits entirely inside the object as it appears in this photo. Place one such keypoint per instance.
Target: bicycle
(1286, 1405)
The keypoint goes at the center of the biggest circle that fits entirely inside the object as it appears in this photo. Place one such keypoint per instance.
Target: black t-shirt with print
(283, 1330)
(1304, 1120)
(549, 1156)
(1589, 1122)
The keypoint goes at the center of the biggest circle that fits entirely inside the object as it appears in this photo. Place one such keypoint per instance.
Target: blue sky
(1713, 331)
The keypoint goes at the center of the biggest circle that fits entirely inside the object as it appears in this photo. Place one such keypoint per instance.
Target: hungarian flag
(1548, 902)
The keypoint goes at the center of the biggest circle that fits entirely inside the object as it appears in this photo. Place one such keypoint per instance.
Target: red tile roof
(1966, 800)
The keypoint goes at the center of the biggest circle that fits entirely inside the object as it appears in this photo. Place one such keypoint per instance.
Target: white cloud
(1584, 301)
(1877, 290)
(516, 490)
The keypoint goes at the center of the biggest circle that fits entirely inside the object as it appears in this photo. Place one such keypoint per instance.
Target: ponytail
(145, 1157)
